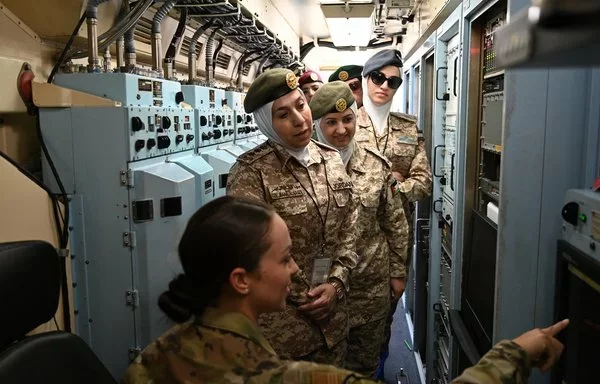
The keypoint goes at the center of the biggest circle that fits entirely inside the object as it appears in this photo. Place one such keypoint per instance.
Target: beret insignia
(343, 75)
(291, 80)
(340, 105)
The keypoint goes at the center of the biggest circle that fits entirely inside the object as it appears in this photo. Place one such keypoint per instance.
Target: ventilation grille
(247, 69)
(185, 46)
(223, 60)
(143, 30)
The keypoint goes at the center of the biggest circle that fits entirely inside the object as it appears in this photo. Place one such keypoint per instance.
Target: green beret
(331, 97)
(346, 72)
(269, 86)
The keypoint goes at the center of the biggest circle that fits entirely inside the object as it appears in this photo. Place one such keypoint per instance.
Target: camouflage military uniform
(227, 348)
(401, 145)
(224, 348)
(381, 246)
(271, 174)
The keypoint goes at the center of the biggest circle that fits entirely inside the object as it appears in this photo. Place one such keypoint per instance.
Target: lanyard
(314, 199)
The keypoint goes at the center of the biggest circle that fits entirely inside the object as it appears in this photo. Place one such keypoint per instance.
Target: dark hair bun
(182, 301)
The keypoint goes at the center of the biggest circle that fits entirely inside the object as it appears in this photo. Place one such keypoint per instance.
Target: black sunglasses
(355, 85)
(379, 78)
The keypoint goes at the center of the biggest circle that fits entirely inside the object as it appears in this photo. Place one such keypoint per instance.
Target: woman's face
(270, 283)
(292, 120)
(382, 94)
(339, 128)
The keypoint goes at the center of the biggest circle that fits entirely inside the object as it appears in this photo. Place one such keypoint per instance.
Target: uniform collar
(237, 323)
(357, 160)
(313, 151)
(364, 121)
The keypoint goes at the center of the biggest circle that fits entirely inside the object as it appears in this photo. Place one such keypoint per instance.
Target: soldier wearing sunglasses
(395, 136)
(351, 75)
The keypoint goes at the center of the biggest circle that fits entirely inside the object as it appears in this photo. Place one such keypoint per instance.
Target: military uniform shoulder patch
(404, 116)
(256, 153)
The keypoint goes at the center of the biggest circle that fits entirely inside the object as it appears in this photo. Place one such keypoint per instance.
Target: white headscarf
(378, 114)
(264, 119)
(345, 152)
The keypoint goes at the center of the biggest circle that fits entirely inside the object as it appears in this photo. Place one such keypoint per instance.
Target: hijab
(347, 151)
(264, 119)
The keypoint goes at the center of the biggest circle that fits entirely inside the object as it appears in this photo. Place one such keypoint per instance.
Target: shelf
(525, 43)
(496, 149)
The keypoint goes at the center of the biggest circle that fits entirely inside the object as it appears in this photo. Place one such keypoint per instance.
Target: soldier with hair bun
(237, 265)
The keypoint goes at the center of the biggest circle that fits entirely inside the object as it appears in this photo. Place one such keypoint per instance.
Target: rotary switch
(189, 138)
(163, 142)
(151, 143)
(139, 144)
(166, 122)
(217, 134)
(203, 121)
(178, 139)
(136, 124)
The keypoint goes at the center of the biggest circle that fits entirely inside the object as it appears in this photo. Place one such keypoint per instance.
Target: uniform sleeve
(346, 257)
(245, 181)
(392, 221)
(312, 373)
(417, 185)
(505, 363)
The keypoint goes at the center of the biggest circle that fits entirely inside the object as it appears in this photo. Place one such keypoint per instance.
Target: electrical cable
(66, 49)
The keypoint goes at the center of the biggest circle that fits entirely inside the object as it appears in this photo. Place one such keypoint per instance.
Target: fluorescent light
(354, 31)
(349, 24)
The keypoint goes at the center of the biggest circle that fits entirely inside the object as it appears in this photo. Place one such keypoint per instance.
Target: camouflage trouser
(332, 356)
(364, 344)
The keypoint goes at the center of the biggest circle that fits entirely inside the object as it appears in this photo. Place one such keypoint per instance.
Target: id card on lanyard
(320, 271)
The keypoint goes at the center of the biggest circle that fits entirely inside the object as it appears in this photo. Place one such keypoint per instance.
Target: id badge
(320, 272)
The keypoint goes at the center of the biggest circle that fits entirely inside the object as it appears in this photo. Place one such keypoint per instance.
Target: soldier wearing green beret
(352, 75)
(307, 184)
(382, 228)
(237, 265)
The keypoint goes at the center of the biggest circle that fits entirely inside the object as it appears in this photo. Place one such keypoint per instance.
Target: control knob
(163, 142)
(217, 134)
(189, 138)
(137, 124)
(151, 143)
(166, 122)
(178, 139)
(203, 121)
(139, 144)
(219, 120)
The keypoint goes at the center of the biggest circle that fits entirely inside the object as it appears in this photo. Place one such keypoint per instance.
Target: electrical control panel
(129, 89)
(157, 131)
(214, 117)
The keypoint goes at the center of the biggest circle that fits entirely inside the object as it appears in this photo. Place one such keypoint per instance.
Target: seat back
(29, 290)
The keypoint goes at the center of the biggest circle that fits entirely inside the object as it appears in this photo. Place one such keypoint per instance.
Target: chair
(29, 291)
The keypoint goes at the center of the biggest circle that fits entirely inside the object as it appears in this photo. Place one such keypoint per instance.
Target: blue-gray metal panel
(591, 160)
(156, 261)
(450, 26)
(563, 155)
(121, 87)
(521, 181)
(149, 116)
(435, 233)
(56, 130)
(79, 269)
(203, 172)
(232, 149)
(100, 155)
(221, 162)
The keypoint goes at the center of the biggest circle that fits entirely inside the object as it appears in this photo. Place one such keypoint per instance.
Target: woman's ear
(239, 281)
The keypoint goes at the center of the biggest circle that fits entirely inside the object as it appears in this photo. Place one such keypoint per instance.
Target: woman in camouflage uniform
(395, 136)
(382, 228)
(307, 184)
(237, 264)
